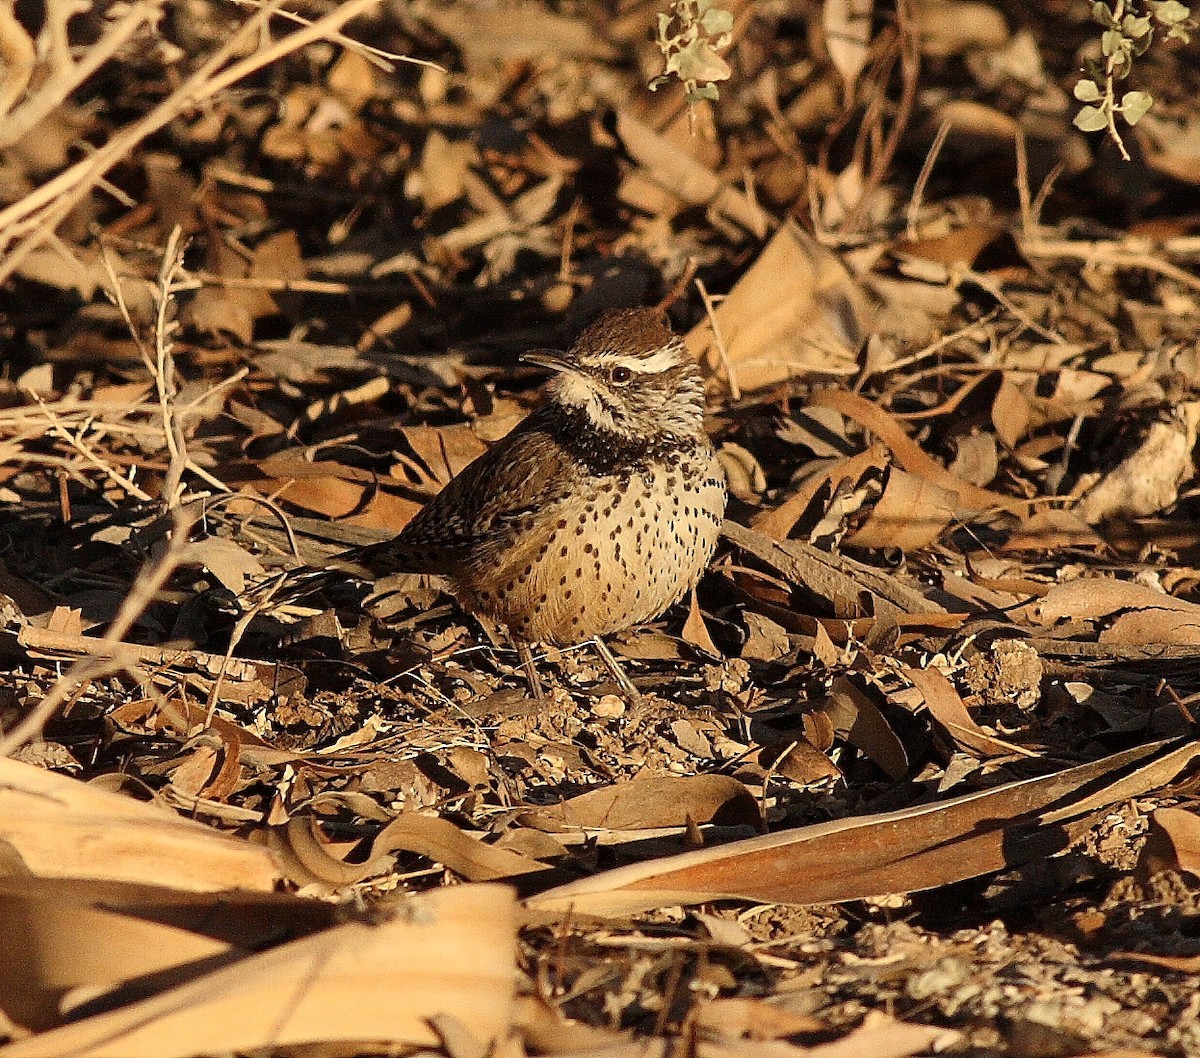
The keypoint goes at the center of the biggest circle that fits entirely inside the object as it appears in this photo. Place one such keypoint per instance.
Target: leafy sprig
(689, 36)
(1129, 29)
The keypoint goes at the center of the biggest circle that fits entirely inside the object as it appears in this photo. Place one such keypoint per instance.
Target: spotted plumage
(597, 512)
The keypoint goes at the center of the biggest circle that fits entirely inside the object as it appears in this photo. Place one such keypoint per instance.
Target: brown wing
(475, 517)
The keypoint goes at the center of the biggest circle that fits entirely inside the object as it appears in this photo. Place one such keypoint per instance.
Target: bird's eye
(620, 374)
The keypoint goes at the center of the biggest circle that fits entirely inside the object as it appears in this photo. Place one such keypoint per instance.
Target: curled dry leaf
(852, 588)
(516, 32)
(695, 631)
(950, 713)
(779, 522)
(309, 859)
(1090, 598)
(441, 452)
(910, 456)
(1154, 626)
(673, 171)
(755, 1019)
(858, 719)
(950, 27)
(1011, 412)
(225, 560)
(1051, 529)
(92, 938)
(335, 490)
(976, 459)
(803, 763)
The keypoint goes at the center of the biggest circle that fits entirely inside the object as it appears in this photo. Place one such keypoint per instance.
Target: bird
(597, 512)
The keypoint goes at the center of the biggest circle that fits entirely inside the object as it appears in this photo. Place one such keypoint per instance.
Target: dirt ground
(914, 771)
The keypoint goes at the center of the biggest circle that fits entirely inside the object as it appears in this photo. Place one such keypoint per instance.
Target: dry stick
(302, 286)
(262, 501)
(935, 347)
(165, 327)
(1028, 218)
(918, 195)
(161, 365)
(145, 588)
(59, 195)
(376, 56)
(994, 288)
(235, 637)
(1039, 201)
(31, 220)
(1031, 207)
(735, 391)
(60, 431)
(910, 68)
(1111, 254)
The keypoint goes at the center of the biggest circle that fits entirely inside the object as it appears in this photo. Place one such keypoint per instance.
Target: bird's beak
(552, 359)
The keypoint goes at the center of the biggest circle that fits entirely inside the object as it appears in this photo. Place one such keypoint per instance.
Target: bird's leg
(525, 652)
(617, 672)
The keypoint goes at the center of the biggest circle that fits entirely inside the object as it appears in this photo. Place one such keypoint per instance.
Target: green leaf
(698, 62)
(1111, 42)
(1134, 106)
(1170, 12)
(1090, 119)
(702, 92)
(1136, 27)
(717, 21)
(1087, 91)
(1102, 14)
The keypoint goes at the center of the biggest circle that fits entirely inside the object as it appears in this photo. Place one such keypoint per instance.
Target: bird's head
(628, 374)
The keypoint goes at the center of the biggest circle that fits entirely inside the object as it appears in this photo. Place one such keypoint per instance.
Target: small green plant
(1129, 29)
(689, 36)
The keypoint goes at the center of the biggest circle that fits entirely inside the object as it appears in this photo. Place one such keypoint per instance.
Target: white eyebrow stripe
(664, 358)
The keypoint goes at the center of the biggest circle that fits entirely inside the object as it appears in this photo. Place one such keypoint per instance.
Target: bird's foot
(618, 673)
(525, 652)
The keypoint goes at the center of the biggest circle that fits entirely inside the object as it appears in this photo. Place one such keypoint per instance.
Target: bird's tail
(366, 564)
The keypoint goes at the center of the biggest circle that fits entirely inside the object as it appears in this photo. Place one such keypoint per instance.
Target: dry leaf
(858, 719)
(904, 851)
(1172, 843)
(449, 953)
(947, 708)
(652, 801)
(909, 455)
(1149, 479)
(911, 514)
(62, 828)
(796, 310)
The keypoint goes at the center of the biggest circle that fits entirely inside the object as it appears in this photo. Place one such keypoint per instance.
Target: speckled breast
(619, 552)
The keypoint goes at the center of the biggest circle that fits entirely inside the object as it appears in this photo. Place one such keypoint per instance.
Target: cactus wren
(597, 512)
